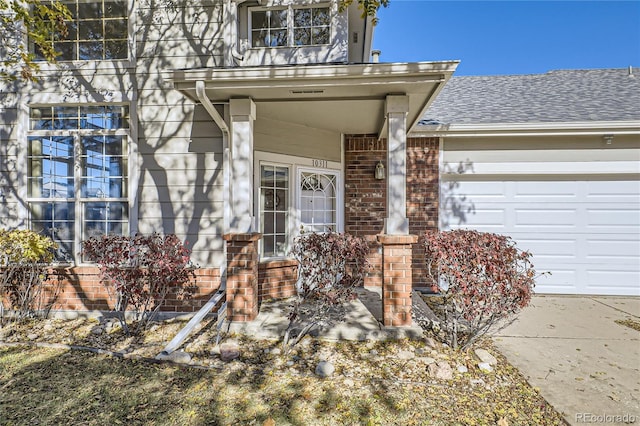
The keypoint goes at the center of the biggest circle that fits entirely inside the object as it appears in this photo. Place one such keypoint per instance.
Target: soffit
(343, 98)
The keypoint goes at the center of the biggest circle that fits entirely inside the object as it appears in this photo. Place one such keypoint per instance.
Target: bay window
(77, 161)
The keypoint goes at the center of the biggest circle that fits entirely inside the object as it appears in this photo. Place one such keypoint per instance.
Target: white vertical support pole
(243, 114)
(396, 108)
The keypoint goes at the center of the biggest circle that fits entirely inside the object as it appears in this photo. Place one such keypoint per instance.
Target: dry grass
(371, 386)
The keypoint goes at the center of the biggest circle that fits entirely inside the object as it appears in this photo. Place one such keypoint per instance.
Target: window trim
(290, 25)
(296, 165)
(78, 200)
(128, 62)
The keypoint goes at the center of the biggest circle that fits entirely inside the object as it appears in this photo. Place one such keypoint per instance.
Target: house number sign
(320, 163)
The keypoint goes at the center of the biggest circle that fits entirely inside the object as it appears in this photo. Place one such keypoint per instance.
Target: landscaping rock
(97, 330)
(440, 370)
(325, 369)
(463, 369)
(276, 351)
(485, 367)
(484, 356)
(229, 351)
(48, 327)
(426, 359)
(32, 336)
(404, 355)
(179, 357)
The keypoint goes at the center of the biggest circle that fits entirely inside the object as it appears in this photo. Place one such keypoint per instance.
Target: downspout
(231, 33)
(179, 338)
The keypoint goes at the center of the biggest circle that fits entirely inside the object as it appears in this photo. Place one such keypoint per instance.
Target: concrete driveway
(584, 363)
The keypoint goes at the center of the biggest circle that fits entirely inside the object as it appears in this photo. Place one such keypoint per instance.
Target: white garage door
(586, 233)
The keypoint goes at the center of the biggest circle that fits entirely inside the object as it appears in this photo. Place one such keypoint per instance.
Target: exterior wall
(11, 175)
(175, 177)
(277, 279)
(80, 289)
(281, 137)
(422, 198)
(365, 197)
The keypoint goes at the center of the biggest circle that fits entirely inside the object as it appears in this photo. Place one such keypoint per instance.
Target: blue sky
(511, 37)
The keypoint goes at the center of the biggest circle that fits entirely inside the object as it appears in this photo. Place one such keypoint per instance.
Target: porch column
(396, 108)
(397, 252)
(242, 276)
(243, 113)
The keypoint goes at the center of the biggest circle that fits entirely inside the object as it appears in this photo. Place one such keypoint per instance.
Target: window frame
(290, 24)
(296, 165)
(128, 38)
(78, 176)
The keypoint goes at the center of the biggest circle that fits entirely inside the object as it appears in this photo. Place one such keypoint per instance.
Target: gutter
(589, 128)
(179, 338)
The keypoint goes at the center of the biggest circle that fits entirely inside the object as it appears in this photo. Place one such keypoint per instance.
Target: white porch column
(243, 113)
(396, 108)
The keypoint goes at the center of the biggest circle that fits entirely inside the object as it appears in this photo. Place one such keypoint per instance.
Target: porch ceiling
(348, 99)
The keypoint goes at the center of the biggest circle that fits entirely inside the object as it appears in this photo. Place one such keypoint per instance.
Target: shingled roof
(555, 97)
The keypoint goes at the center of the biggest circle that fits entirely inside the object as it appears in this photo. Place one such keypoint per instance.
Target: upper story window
(98, 31)
(293, 26)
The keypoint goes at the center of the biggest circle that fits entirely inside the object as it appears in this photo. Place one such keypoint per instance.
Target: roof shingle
(557, 97)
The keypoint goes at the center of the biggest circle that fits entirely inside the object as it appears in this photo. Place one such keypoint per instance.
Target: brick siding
(365, 197)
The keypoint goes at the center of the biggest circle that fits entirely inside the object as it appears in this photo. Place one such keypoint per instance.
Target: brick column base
(242, 276)
(396, 279)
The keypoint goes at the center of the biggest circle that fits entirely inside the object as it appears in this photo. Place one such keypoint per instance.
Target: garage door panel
(548, 248)
(533, 191)
(613, 250)
(480, 190)
(547, 218)
(586, 233)
(559, 281)
(482, 218)
(614, 218)
(612, 281)
(608, 191)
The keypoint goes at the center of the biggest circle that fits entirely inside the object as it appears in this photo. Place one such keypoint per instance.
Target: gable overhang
(349, 99)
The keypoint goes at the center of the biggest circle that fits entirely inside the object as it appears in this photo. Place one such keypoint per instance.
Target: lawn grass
(52, 386)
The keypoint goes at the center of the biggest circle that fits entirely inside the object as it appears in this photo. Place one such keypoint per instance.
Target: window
(274, 209)
(98, 31)
(280, 27)
(77, 160)
(292, 194)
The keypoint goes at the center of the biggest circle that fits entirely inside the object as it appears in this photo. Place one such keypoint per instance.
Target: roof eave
(629, 127)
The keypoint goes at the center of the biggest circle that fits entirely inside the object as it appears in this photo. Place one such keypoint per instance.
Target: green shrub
(25, 257)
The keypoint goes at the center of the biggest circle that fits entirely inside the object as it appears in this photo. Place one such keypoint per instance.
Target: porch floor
(363, 321)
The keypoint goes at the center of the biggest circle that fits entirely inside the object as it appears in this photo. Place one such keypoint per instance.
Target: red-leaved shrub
(482, 278)
(142, 270)
(330, 267)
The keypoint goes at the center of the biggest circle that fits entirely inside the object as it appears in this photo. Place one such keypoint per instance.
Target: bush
(142, 270)
(330, 267)
(25, 257)
(483, 279)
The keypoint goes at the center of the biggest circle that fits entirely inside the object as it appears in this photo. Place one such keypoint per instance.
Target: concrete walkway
(584, 363)
(363, 321)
